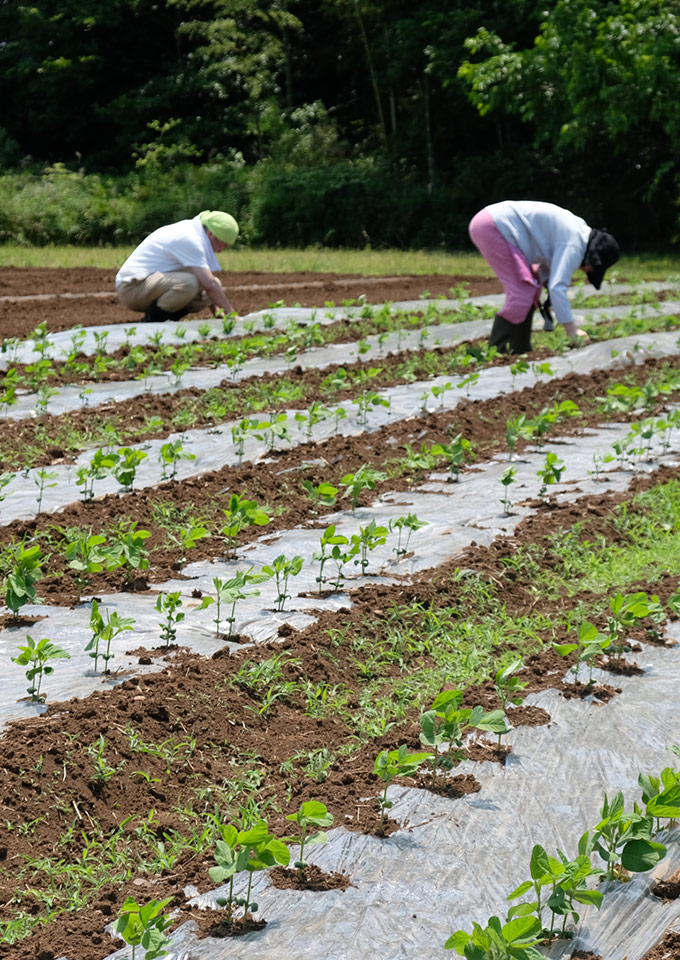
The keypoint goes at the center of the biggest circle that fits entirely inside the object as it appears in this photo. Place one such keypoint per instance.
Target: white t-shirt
(179, 245)
(550, 236)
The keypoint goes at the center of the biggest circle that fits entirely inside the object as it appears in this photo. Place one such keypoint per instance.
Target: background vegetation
(348, 123)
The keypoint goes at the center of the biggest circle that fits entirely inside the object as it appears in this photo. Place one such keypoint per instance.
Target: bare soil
(86, 295)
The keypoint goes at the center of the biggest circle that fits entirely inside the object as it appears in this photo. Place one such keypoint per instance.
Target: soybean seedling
(550, 472)
(312, 813)
(282, 569)
(41, 479)
(144, 927)
(324, 494)
(391, 764)
(251, 850)
(36, 657)
(590, 644)
(508, 685)
(105, 629)
(24, 572)
(368, 538)
(507, 478)
(410, 524)
(167, 603)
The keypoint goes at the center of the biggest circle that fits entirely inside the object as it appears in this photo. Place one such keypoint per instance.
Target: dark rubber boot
(154, 314)
(501, 334)
(520, 341)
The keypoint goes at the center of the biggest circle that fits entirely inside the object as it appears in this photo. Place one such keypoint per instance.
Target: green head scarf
(221, 224)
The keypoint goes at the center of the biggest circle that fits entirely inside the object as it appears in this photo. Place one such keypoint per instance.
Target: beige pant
(171, 291)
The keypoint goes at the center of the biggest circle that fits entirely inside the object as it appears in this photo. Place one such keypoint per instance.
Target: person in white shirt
(172, 272)
(530, 245)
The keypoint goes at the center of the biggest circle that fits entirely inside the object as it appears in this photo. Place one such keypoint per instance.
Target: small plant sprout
(507, 478)
(507, 684)
(323, 493)
(521, 366)
(317, 413)
(391, 764)
(517, 428)
(364, 479)
(86, 555)
(24, 572)
(100, 466)
(36, 657)
(102, 771)
(456, 452)
(229, 592)
(282, 569)
(331, 542)
(313, 814)
(405, 527)
(241, 514)
(565, 883)
(623, 840)
(625, 611)
(105, 629)
(438, 393)
(272, 430)
(125, 469)
(144, 926)
(550, 472)
(41, 480)
(368, 538)
(250, 850)
(167, 604)
(590, 644)
(517, 938)
(186, 539)
(170, 456)
(5, 480)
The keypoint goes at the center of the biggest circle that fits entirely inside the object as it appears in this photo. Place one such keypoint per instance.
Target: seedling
(24, 573)
(324, 494)
(41, 479)
(282, 569)
(105, 630)
(517, 428)
(102, 769)
(168, 603)
(272, 430)
(144, 927)
(186, 539)
(86, 554)
(391, 764)
(507, 478)
(241, 514)
(623, 840)
(364, 479)
(125, 469)
(312, 813)
(456, 452)
(230, 592)
(316, 414)
(170, 456)
(36, 657)
(507, 685)
(101, 465)
(550, 472)
(625, 612)
(410, 524)
(5, 480)
(130, 550)
(250, 850)
(517, 938)
(591, 644)
(368, 538)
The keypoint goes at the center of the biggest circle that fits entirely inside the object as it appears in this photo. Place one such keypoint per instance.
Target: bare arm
(213, 288)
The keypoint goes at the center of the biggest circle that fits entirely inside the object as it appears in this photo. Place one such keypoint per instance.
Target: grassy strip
(455, 628)
(324, 260)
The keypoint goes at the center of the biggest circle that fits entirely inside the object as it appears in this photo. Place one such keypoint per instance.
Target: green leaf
(638, 856)
(666, 804)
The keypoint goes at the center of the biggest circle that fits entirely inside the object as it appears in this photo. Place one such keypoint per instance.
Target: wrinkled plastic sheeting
(138, 333)
(375, 347)
(453, 862)
(59, 345)
(456, 515)
(213, 449)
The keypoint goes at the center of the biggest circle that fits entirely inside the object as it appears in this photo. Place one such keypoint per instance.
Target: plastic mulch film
(456, 514)
(453, 862)
(374, 347)
(213, 448)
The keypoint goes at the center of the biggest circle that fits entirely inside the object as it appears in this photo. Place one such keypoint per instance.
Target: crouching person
(172, 272)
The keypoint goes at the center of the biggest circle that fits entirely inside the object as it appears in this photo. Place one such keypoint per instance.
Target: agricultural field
(327, 632)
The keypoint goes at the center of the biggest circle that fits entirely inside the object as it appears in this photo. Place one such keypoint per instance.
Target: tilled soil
(86, 295)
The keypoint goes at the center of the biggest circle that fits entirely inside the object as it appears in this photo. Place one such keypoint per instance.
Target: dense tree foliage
(419, 113)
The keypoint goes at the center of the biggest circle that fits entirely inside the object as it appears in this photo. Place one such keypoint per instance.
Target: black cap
(602, 251)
